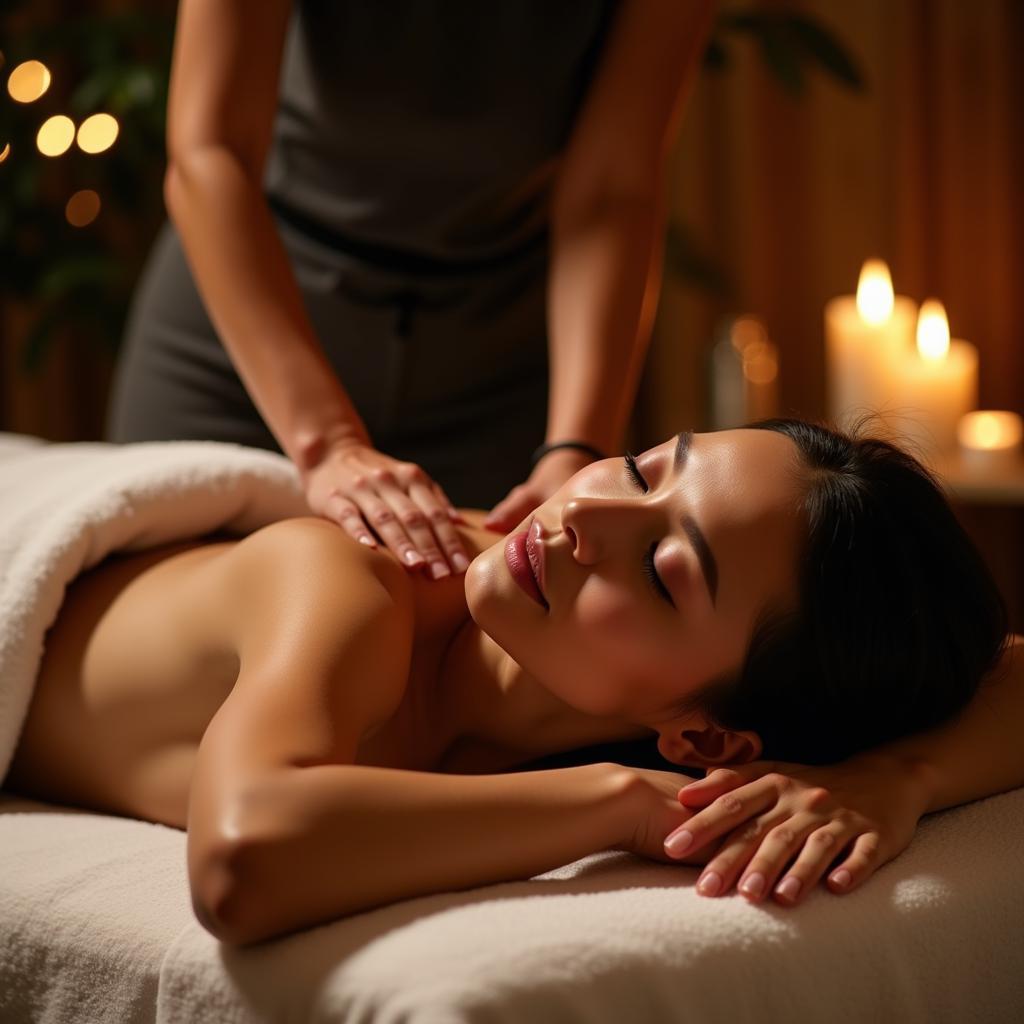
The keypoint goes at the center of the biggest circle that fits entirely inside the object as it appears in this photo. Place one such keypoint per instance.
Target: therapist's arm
(608, 218)
(223, 97)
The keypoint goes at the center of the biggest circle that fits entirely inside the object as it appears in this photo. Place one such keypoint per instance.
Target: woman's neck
(480, 694)
(483, 696)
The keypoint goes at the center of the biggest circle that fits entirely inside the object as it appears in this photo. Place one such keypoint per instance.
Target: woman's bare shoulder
(308, 543)
(281, 573)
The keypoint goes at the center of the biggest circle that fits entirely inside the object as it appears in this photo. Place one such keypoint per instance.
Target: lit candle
(990, 441)
(866, 338)
(938, 383)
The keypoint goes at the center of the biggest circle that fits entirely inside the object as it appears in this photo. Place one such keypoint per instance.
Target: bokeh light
(97, 133)
(5, 152)
(56, 135)
(82, 208)
(28, 81)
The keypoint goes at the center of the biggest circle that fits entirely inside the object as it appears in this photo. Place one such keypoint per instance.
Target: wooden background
(789, 196)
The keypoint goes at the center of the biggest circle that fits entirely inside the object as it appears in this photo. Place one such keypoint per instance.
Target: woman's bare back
(144, 653)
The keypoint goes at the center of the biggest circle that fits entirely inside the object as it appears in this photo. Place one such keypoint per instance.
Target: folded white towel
(64, 507)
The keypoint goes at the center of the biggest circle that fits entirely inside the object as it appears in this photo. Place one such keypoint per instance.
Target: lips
(517, 558)
(536, 556)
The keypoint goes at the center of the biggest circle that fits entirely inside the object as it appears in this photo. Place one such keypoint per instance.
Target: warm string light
(28, 81)
(97, 133)
(55, 135)
(82, 208)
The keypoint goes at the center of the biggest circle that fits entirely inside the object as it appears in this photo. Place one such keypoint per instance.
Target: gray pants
(448, 370)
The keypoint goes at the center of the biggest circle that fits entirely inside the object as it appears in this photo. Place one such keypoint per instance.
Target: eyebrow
(708, 562)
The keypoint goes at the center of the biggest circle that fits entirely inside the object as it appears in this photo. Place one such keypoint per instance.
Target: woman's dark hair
(898, 617)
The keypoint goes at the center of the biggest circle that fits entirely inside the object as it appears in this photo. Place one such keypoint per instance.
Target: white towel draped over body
(64, 507)
(96, 924)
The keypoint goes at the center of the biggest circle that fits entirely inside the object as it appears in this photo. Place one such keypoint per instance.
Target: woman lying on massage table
(337, 732)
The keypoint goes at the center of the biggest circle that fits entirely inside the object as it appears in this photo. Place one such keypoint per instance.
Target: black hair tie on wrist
(543, 449)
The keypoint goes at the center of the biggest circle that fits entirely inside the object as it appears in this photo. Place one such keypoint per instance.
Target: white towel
(96, 926)
(64, 507)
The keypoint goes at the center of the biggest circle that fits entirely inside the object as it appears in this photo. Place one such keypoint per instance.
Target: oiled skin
(145, 651)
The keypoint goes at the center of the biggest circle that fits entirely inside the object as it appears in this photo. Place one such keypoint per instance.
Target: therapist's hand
(548, 475)
(845, 820)
(375, 497)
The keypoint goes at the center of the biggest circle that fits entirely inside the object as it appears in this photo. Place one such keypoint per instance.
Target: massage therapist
(414, 244)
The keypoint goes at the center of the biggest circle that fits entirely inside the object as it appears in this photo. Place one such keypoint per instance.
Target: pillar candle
(938, 383)
(866, 338)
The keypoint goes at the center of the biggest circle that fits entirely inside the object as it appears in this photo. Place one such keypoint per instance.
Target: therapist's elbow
(198, 172)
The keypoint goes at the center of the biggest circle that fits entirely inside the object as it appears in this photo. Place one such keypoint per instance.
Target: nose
(592, 524)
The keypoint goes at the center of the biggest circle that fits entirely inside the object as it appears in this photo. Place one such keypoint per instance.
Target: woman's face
(720, 513)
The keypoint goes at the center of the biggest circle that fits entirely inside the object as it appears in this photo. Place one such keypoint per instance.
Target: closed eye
(647, 562)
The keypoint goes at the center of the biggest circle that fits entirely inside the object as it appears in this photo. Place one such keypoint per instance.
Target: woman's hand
(362, 489)
(548, 475)
(847, 819)
(655, 814)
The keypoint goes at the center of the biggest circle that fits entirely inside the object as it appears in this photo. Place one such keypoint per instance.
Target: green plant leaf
(716, 57)
(782, 59)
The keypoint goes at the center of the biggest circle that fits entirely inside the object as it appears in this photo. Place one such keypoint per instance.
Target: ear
(708, 746)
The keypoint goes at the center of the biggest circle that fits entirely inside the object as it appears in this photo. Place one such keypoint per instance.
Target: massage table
(96, 923)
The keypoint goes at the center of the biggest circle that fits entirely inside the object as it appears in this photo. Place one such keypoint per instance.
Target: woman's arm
(608, 217)
(223, 96)
(864, 809)
(284, 830)
(318, 843)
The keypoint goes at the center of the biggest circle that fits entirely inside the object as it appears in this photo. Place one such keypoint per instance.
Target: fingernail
(842, 878)
(413, 557)
(788, 887)
(679, 842)
(460, 561)
(753, 885)
(367, 541)
(709, 884)
(439, 569)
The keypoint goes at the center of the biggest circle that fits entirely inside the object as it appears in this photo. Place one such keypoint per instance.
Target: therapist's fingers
(432, 500)
(366, 490)
(425, 522)
(347, 515)
(384, 520)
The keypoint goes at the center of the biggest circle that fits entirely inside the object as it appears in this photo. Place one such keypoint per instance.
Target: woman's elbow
(227, 898)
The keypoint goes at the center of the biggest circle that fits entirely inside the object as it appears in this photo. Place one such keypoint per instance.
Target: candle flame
(874, 292)
(932, 331)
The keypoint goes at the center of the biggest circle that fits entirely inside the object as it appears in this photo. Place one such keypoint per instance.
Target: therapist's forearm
(248, 287)
(604, 280)
(979, 753)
